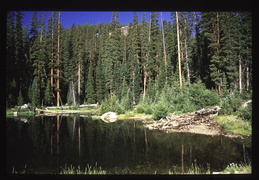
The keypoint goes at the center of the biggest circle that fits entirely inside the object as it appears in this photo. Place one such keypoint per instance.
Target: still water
(47, 144)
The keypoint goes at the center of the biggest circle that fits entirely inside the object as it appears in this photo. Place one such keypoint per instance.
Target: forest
(195, 60)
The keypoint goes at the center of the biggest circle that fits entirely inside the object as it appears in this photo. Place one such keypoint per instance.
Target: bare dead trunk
(165, 61)
(179, 51)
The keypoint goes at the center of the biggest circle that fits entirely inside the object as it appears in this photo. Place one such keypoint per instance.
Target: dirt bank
(198, 122)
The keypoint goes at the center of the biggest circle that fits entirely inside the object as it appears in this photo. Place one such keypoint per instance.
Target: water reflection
(48, 143)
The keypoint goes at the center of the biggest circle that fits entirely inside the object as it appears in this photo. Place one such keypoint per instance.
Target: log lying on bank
(209, 111)
(188, 122)
(89, 105)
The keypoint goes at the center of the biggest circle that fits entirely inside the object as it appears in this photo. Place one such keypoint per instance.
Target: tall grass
(77, 170)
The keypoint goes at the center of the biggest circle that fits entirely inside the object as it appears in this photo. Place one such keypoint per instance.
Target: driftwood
(186, 122)
(88, 105)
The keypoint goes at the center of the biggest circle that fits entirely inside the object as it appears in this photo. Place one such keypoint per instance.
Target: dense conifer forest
(195, 60)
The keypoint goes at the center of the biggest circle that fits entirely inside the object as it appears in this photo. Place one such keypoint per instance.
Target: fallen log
(187, 122)
(212, 110)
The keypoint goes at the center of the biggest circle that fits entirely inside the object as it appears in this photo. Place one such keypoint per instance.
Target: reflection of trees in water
(75, 140)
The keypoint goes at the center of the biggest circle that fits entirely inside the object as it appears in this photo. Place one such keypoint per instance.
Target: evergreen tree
(90, 93)
(100, 82)
(38, 56)
(155, 47)
(144, 42)
(230, 47)
(212, 32)
(47, 94)
(245, 49)
(34, 27)
(98, 62)
(34, 92)
(113, 55)
(10, 60)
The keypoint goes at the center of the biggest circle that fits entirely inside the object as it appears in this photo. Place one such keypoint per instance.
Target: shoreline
(208, 127)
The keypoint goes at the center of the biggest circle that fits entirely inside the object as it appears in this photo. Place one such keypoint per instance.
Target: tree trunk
(145, 67)
(73, 93)
(58, 62)
(165, 62)
(187, 63)
(247, 78)
(218, 53)
(240, 76)
(79, 81)
(179, 51)
(52, 61)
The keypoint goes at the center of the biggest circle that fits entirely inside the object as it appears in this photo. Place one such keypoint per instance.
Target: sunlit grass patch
(234, 168)
(233, 124)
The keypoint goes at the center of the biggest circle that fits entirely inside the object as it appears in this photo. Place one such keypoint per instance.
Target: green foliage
(245, 113)
(47, 94)
(144, 108)
(97, 60)
(90, 93)
(20, 99)
(160, 111)
(203, 97)
(34, 93)
(230, 104)
(111, 104)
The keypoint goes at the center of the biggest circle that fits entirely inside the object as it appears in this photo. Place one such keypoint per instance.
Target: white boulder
(109, 117)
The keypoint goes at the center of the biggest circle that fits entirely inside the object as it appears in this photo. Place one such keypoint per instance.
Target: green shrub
(144, 108)
(160, 111)
(111, 104)
(230, 104)
(203, 97)
(245, 113)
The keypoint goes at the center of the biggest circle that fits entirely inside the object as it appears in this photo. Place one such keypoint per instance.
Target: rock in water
(24, 106)
(109, 117)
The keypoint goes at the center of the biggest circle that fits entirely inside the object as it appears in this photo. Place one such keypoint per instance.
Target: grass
(233, 124)
(10, 112)
(194, 169)
(87, 171)
(130, 114)
(234, 168)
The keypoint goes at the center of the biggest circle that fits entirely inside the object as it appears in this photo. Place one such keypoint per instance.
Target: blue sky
(91, 17)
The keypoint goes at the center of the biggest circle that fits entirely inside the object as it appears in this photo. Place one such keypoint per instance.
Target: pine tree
(34, 27)
(38, 57)
(245, 52)
(113, 55)
(230, 48)
(90, 93)
(212, 32)
(51, 42)
(144, 41)
(19, 72)
(34, 92)
(155, 47)
(47, 94)
(10, 60)
(100, 82)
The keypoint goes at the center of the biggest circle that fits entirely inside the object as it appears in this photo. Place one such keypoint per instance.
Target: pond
(46, 144)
